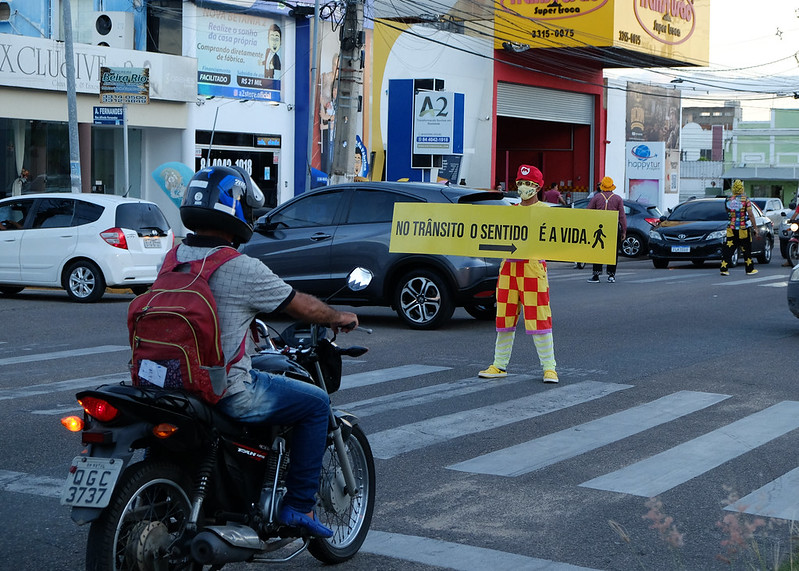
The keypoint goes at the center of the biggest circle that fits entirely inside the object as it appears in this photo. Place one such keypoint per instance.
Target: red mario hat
(527, 172)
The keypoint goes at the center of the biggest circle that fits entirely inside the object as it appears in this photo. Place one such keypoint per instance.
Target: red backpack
(174, 329)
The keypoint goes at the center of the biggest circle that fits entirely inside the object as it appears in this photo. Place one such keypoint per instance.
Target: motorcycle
(793, 243)
(168, 483)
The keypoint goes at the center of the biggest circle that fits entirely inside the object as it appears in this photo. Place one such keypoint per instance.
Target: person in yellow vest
(523, 287)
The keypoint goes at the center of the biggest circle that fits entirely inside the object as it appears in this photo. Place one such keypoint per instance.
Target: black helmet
(221, 198)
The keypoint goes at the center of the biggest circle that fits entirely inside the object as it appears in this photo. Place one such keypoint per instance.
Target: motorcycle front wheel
(148, 512)
(793, 253)
(348, 517)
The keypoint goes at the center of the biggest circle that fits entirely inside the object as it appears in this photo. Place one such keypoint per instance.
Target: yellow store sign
(563, 234)
(677, 30)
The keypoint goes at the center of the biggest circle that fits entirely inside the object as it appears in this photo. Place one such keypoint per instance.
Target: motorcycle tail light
(164, 430)
(99, 409)
(72, 423)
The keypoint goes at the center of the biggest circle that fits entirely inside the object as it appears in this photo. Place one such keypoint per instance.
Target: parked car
(793, 291)
(695, 231)
(773, 209)
(315, 239)
(81, 242)
(641, 218)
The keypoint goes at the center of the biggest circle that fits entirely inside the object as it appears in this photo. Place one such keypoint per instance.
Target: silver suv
(314, 240)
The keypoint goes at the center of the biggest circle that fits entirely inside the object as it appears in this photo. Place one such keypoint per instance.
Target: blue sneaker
(291, 517)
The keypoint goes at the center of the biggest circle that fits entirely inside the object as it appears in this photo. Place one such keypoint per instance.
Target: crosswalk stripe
(667, 278)
(454, 555)
(391, 374)
(23, 483)
(547, 450)
(664, 471)
(426, 395)
(71, 384)
(776, 499)
(751, 280)
(390, 443)
(63, 354)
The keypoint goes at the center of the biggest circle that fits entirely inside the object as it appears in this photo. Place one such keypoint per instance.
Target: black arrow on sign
(498, 248)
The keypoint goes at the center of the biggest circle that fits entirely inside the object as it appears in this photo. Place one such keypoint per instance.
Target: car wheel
(632, 245)
(482, 311)
(422, 300)
(138, 290)
(84, 282)
(11, 290)
(698, 263)
(660, 264)
(765, 257)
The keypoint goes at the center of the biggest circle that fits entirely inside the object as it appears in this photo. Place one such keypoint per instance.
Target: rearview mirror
(359, 279)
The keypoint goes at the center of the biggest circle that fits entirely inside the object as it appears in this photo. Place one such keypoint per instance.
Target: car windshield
(688, 211)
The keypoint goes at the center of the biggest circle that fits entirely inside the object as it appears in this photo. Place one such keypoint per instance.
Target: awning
(762, 173)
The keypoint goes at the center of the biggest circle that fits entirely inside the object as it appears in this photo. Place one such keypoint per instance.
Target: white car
(82, 243)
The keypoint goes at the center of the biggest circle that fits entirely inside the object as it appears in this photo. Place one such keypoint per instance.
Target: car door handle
(319, 236)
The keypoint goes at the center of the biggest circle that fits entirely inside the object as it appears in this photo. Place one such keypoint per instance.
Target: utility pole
(349, 99)
(72, 102)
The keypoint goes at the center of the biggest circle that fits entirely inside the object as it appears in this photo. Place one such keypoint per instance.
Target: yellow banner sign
(564, 234)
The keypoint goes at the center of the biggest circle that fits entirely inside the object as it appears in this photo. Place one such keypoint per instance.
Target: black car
(315, 239)
(641, 218)
(695, 231)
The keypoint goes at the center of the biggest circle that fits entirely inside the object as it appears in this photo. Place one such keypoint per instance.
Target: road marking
(426, 395)
(390, 443)
(776, 499)
(71, 384)
(666, 470)
(29, 484)
(391, 374)
(547, 450)
(457, 556)
(64, 354)
(777, 284)
(751, 280)
(670, 277)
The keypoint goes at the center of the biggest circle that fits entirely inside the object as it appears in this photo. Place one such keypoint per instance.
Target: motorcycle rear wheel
(348, 517)
(147, 513)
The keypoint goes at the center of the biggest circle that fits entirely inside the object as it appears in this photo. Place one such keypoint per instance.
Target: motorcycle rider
(217, 207)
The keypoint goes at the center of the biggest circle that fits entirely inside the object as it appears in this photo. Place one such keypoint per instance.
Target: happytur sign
(544, 233)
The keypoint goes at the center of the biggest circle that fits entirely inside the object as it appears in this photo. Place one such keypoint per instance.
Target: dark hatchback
(315, 239)
(695, 231)
(641, 218)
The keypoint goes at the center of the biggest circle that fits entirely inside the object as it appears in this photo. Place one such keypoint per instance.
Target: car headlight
(654, 235)
(717, 235)
(795, 274)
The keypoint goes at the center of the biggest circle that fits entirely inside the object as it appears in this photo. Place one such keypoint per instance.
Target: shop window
(165, 26)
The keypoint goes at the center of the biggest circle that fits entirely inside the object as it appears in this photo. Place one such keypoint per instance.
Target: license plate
(680, 249)
(90, 482)
(150, 242)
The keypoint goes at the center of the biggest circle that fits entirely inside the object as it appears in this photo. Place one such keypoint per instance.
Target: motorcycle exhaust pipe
(225, 544)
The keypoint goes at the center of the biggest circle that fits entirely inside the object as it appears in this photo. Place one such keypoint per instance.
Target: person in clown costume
(740, 229)
(522, 287)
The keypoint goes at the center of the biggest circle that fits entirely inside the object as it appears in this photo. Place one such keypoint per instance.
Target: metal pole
(72, 102)
(125, 148)
(312, 106)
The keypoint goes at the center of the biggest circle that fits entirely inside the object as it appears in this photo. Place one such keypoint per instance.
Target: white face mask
(527, 191)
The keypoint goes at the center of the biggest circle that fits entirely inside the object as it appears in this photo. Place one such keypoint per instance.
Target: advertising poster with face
(238, 55)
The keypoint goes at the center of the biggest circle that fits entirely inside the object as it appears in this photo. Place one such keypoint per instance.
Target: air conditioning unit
(113, 29)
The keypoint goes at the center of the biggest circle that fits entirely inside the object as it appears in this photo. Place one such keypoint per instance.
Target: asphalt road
(675, 384)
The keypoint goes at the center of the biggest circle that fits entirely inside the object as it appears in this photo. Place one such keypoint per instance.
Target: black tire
(793, 253)
(423, 300)
(765, 257)
(127, 538)
(698, 263)
(138, 290)
(632, 245)
(84, 282)
(660, 264)
(482, 311)
(348, 517)
(11, 290)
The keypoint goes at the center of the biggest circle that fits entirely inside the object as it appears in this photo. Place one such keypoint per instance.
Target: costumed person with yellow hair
(523, 286)
(740, 229)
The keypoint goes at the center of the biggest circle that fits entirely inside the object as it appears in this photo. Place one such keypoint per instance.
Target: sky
(746, 53)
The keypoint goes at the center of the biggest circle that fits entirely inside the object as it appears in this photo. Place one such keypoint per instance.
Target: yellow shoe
(492, 373)
(725, 273)
(550, 376)
(753, 272)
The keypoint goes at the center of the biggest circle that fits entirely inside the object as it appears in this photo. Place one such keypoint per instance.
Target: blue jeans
(275, 399)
